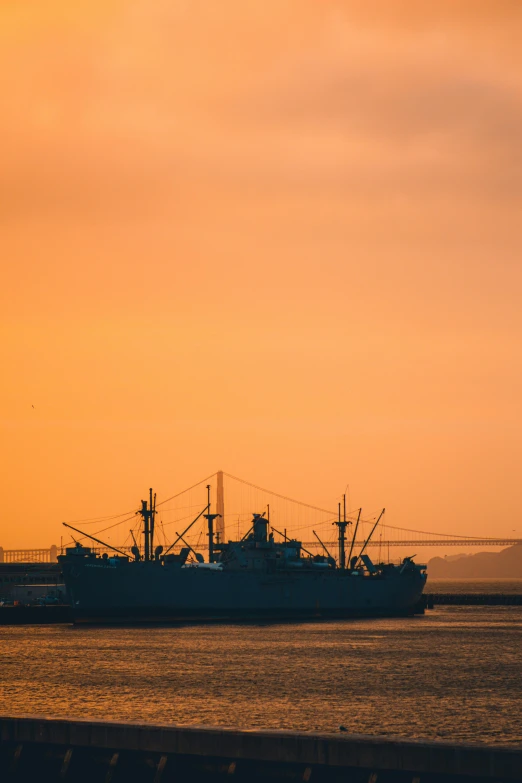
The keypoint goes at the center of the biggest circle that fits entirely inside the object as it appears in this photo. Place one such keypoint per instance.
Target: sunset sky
(281, 238)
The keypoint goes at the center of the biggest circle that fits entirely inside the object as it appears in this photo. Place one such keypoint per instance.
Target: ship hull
(121, 592)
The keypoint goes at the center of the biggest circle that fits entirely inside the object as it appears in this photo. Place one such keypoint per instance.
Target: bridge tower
(220, 508)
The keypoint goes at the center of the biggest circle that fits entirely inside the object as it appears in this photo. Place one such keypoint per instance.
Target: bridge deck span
(50, 555)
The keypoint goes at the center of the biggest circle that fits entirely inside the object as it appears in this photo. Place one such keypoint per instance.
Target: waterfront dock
(43, 749)
(32, 614)
(471, 599)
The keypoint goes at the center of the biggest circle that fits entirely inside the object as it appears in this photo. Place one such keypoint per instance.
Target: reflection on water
(454, 673)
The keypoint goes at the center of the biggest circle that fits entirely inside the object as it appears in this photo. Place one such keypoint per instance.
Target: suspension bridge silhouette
(236, 500)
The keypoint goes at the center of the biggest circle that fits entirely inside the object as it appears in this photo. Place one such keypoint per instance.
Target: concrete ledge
(499, 762)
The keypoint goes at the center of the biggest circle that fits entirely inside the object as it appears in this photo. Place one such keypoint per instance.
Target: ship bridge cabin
(259, 551)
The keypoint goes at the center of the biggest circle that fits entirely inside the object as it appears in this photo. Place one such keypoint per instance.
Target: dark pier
(471, 599)
(41, 750)
(35, 615)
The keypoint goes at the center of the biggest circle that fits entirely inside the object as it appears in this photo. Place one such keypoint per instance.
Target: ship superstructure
(254, 578)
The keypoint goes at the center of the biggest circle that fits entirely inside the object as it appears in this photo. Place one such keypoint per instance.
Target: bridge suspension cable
(294, 521)
(332, 514)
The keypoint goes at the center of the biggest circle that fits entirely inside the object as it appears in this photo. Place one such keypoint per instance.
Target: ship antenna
(325, 549)
(201, 513)
(354, 536)
(98, 541)
(369, 537)
(180, 538)
(134, 539)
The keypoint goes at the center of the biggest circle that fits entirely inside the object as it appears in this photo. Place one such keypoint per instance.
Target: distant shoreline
(506, 564)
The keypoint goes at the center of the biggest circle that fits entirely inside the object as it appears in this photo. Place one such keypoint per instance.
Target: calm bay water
(454, 673)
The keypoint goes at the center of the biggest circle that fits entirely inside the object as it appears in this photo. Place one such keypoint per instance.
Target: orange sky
(278, 238)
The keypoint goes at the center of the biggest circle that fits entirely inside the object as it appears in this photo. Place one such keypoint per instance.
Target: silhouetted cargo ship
(255, 578)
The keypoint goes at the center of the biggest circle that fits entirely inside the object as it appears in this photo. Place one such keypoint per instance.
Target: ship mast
(148, 511)
(342, 524)
(210, 519)
(152, 502)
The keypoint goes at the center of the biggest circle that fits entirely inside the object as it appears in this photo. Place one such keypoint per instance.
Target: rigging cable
(106, 528)
(186, 490)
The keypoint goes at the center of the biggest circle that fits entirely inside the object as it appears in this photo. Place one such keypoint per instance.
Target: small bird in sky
(32, 406)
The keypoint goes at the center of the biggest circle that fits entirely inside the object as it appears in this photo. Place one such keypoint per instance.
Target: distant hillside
(496, 565)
